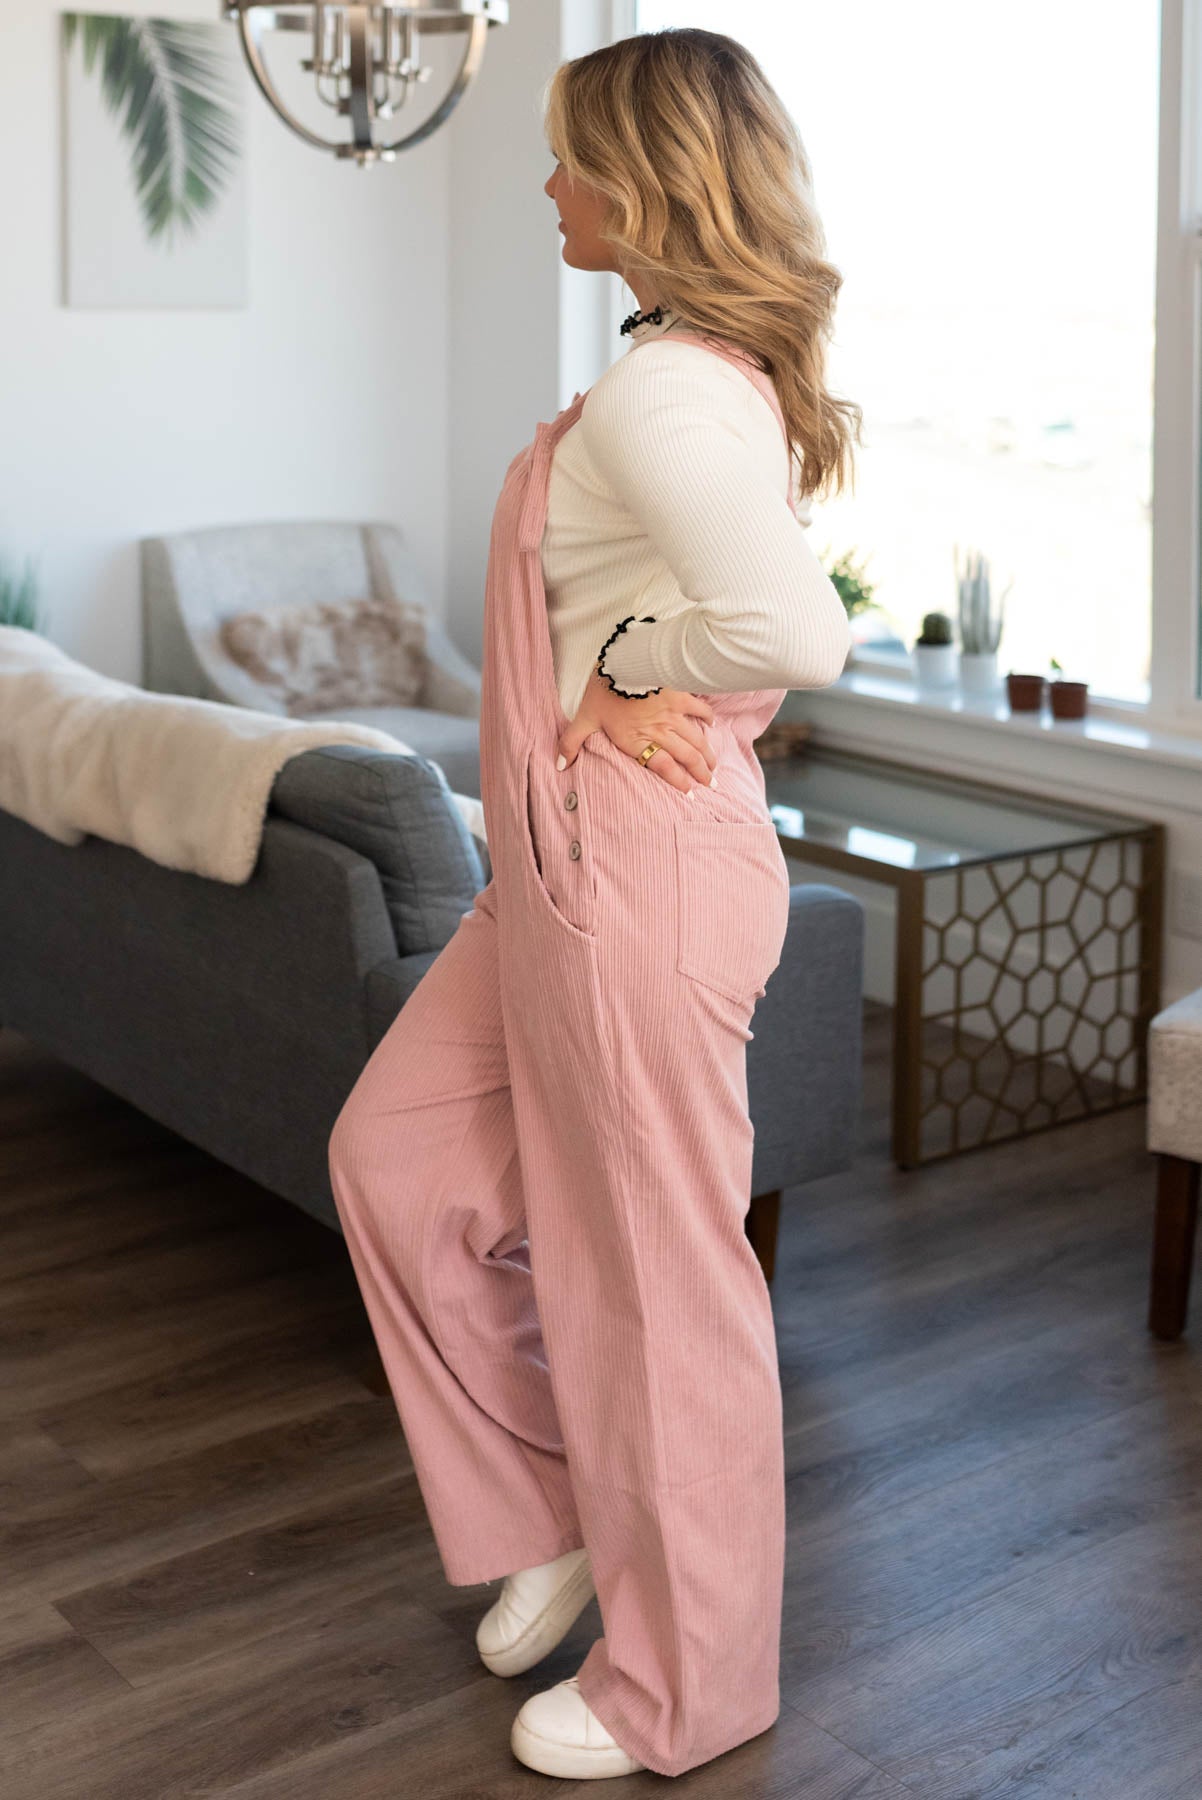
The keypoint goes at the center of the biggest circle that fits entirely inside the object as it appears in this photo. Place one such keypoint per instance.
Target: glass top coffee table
(1028, 941)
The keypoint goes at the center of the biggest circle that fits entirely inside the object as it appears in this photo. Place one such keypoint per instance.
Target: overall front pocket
(732, 904)
(557, 872)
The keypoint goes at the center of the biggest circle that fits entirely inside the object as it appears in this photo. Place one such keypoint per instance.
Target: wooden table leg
(763, 1223)
(907, 1024)
(1173, 1246)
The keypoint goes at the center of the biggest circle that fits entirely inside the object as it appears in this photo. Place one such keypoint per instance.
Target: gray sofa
(240, 1017)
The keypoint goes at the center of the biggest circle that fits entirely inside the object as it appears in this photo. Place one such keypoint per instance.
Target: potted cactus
(981, 618)
(935, 652)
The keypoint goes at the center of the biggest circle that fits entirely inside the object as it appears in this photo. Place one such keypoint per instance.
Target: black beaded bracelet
(647, 619)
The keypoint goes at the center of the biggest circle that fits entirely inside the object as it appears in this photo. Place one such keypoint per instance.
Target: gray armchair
(192, 580)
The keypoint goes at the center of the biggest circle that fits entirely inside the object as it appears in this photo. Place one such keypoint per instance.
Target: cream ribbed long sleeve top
(667, 496)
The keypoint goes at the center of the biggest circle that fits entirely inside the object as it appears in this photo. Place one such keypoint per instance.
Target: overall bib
(543, 1175)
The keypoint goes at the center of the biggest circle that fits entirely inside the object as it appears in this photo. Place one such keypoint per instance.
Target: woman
(544, 1171)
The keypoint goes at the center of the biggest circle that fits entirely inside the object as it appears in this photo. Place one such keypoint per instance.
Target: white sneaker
(557, 1733)
(537, 1607)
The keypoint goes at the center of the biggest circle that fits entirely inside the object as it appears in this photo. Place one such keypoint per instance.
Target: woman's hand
(674, 720)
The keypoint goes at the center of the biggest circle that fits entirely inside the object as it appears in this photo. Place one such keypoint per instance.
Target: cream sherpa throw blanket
(184, 781)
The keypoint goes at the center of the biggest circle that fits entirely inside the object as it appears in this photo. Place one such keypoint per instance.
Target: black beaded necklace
(654, 317)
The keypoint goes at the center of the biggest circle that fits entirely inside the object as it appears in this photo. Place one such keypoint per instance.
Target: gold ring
(646, 755)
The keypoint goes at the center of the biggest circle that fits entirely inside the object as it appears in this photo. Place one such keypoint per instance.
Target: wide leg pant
(576, 1330)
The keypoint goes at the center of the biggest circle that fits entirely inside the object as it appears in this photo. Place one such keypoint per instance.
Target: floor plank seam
(862, 1755)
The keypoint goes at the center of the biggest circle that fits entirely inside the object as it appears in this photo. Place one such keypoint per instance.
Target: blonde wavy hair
(710, 192)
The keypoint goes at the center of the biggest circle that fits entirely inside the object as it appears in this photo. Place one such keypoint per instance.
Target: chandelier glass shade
(365, 61)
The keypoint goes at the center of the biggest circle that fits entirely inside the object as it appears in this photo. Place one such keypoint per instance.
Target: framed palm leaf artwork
(155, 191)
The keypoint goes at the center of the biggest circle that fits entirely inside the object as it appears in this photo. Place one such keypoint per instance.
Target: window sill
(1112, 755)
(1108, 727)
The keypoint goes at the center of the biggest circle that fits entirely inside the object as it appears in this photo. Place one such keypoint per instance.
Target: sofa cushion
(397, 811)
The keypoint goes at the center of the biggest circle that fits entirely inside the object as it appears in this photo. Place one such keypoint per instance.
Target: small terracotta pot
(1068, 699)
(1024, 692)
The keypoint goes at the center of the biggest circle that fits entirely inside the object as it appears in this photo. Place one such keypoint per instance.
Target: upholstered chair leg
(371, 1371)
(1173, 1247)
(763, 1221)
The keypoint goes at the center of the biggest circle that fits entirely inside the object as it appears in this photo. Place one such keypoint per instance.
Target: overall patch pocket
(733, 903)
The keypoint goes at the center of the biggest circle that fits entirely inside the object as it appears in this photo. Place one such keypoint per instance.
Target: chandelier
(366, 61)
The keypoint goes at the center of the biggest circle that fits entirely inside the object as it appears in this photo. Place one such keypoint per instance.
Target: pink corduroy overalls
(543, 1175)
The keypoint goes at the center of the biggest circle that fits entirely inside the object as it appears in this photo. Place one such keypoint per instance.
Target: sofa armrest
(804, 1061)
(233, 1014)
(452, 683)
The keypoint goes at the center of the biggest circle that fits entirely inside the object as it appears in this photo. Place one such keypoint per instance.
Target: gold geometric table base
(1025, 979)
(1025, 986)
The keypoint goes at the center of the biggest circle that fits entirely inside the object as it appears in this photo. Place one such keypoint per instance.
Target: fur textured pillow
(334, 653)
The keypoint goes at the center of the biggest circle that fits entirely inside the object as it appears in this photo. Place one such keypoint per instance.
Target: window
(987, 180)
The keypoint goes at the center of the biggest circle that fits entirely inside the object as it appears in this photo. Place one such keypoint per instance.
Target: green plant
(855, 592)
(981, 616)
(936, 629)
(173, 88)
(18, 599)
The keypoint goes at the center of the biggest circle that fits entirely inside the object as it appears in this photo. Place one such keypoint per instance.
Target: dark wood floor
(218, 1579)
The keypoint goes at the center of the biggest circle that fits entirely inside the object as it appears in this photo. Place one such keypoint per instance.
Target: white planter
(979, 672)
(935, 665)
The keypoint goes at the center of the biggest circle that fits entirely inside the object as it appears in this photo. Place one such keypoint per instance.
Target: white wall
(325, 397)
(503, 316)
(526, 330)
(405, 332)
